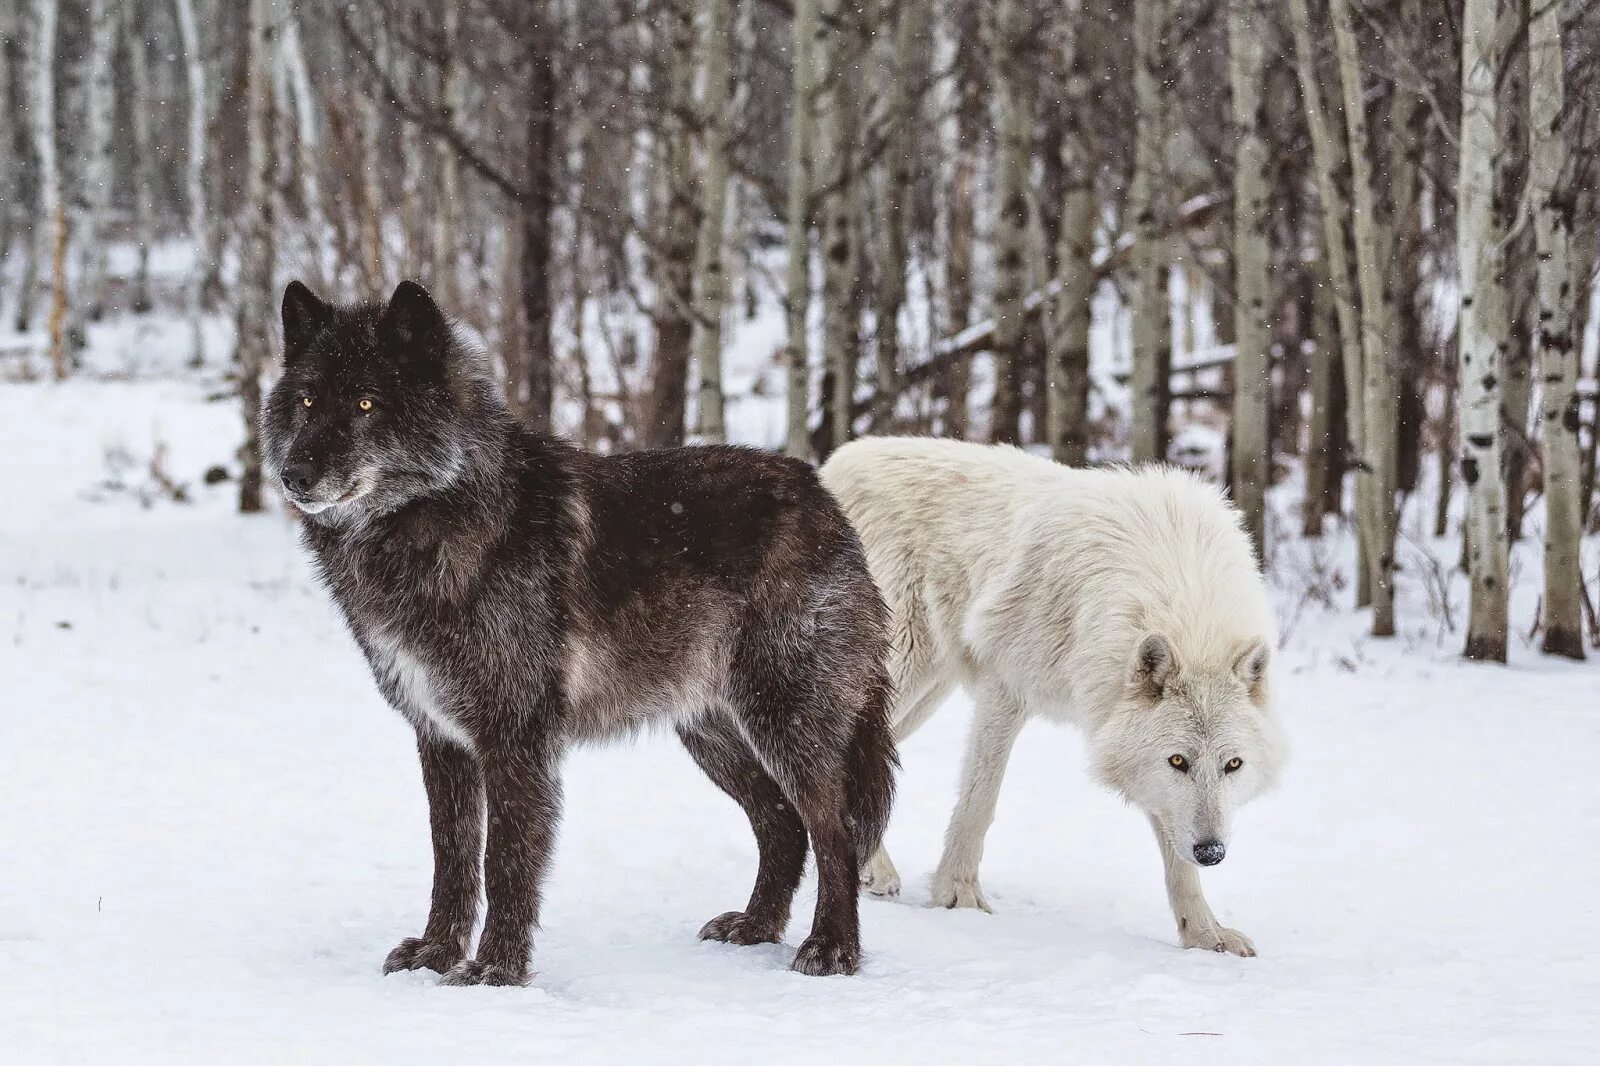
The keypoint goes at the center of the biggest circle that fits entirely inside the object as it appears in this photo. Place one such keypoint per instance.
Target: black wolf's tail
(869, 773)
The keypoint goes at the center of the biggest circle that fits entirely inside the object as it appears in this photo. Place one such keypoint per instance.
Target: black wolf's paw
(737, 927)
(823, 956)
(472, 972)
(415, 953)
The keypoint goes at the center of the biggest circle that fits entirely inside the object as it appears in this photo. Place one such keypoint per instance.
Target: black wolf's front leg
(523, 788)
(455, 813)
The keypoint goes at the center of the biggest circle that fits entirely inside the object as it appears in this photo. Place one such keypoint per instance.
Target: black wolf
(514, 594)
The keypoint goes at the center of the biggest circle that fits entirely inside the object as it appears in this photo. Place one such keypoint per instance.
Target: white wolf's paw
(880, 878)
(959, 890)
(1218, 938)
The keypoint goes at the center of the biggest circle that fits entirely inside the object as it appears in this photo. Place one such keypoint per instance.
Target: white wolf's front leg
(997, 719)
(1197, 926)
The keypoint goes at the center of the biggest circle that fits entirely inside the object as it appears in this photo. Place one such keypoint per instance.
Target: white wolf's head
(1190, 743)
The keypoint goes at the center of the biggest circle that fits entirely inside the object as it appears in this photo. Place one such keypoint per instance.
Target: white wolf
(1126, 601)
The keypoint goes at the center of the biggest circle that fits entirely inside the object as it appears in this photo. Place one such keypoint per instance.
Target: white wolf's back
(1046, 574)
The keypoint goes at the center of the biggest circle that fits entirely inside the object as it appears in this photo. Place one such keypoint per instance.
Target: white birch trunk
(837, 128)
(1559, 344)
(1378, 377)
(798, 279)
(144, 209)
(308, 149)
(711, 286)
(200, 231)
(105, 17)
(445, 269)
(255, 296)
(39, 30)
(1483, 325)
(894, 262)
(1012, 131)
(1248, 32)
(1148, 202)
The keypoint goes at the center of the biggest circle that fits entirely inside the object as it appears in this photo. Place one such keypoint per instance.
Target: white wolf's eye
(365, 404)
(305, 401)
(1178, 762)
(1232, 764)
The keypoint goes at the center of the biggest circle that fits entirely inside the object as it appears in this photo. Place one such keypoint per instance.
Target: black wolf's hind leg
(455, 813)
(715, 744)
(808, 761)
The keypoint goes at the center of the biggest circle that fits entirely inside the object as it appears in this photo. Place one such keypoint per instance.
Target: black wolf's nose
(299, 477)
(1209, 852)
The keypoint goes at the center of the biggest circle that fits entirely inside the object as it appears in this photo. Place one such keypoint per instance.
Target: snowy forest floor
(213, 830)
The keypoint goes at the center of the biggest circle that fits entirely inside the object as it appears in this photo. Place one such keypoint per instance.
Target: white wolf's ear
(304, 316)
(1154, 664)
(1251, 667)
(412, 320)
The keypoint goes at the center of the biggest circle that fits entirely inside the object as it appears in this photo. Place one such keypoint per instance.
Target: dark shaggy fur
(514, 594)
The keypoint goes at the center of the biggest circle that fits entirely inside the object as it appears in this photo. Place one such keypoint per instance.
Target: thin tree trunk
(1379, 379)
(960, 228)
(1012, 143)
(104, 21)
(308, 153)
(807, 26)
(258, 259)
(1067, 373)
(538, 211)
(1329, 151)
(39, 32)
(1252, 386)
(1149, 208)
(675, 242)
(909, 18)
(144, 209)
(1484, 321)
(711, 286)
(371, 210)
(1323, 464)
(1448, 425)
(1559, 345)
(445, 270)
(195, 173)
(841, 328)
(1522, 283)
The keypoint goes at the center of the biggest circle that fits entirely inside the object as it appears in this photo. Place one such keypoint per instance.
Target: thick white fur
(1125, 601)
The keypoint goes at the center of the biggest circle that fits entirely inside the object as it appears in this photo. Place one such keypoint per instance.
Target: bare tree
(1248, 32)
(909, 17)
(1377, 335)
(38, 74)
(1559, 349)
(1149, 209)
(445, 271)
(195, 170)
(674, 249)
(256, 288)
(1485, 319)
(807, 27)
(1067, 368)
(105, 20)
(1013, 139)
(711, 285)
(136, 47)
(840, 253)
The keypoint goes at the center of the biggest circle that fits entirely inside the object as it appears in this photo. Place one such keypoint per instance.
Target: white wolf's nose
(1209, 852)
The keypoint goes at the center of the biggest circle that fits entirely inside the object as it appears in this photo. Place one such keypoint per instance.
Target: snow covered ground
(212, 830)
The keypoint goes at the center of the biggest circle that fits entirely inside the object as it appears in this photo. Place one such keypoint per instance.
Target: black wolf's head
(378, 404)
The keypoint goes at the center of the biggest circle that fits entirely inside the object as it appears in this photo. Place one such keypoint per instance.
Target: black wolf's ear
(1251, 667)
(1154, 664)
(412, 322)
(304, 316)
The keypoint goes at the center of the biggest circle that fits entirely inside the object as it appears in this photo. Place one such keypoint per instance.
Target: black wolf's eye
(364, 403)
(1178, 762)
(305, 401)
(1232, 764)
